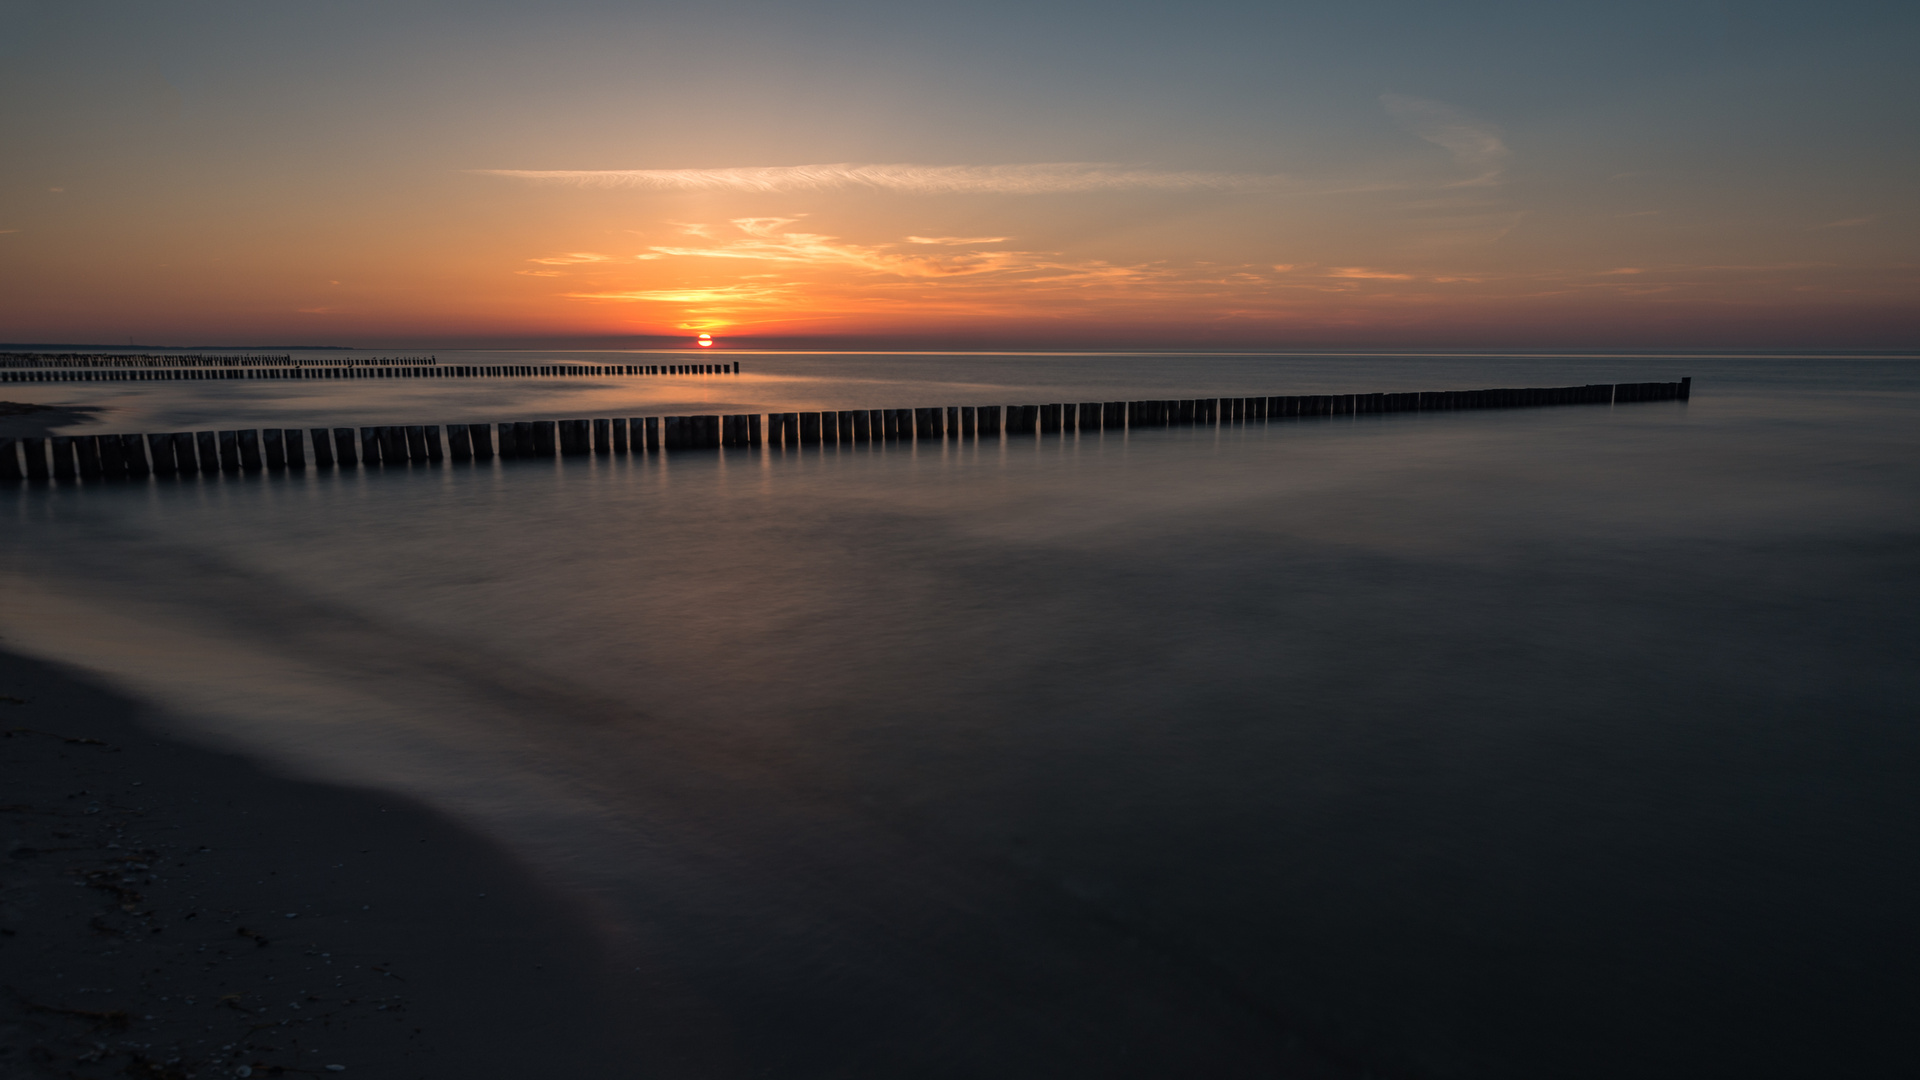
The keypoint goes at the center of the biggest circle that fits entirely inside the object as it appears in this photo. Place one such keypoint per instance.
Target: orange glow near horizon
(1238, 181)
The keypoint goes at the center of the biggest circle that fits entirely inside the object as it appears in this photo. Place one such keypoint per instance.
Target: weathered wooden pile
(280, 449)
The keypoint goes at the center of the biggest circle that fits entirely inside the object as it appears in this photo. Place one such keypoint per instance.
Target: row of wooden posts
(65, 456)
(148, 360)
(365, 371)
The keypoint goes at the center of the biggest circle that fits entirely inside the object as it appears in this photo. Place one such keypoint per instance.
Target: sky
(942, 175)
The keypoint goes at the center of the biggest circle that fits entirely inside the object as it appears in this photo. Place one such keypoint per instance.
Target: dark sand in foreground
(166, 911)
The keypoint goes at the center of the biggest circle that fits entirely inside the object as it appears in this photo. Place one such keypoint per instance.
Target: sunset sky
(989, 174)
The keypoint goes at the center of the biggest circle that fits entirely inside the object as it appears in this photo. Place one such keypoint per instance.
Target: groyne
(182, 453)
(416, 368)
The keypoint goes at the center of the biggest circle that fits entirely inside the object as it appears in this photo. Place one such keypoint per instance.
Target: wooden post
(951, 426)
(88, 447)
(10, 459)
(675, 435)
(113, 455)
(830, 427)
(369, 445)
(172, 453)
(273, 443)
(1092, 415)
(989, 419)
(652, 427)
(603, 437)
(619, 429)
(573, 437)
(434, 453)
(250, 449)
(459, 443)
(333, 446)
(969, 422)
(208, 444)
(393, 443)
(64, 467)
(35, 449)
(809, 428)
(133, 454)
(1686, 388)
(545, 438)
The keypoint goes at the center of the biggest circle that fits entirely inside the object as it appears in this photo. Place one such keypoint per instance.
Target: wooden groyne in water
(412, 368)
(280, 449)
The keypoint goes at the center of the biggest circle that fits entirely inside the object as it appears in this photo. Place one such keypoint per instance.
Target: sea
(1576, 742)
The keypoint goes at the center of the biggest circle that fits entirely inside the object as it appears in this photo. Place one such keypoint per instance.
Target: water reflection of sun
(706, 341)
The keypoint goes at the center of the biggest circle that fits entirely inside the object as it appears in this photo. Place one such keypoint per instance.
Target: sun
(706, 341)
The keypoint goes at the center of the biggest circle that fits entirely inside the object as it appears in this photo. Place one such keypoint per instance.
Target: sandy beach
(166, 911)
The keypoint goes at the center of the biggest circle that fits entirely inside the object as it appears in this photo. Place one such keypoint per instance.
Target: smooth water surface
(1572, 742)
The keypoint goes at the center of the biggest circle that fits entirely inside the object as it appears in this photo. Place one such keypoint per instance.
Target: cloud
(955, 241)
(572, 258)
(707, 295)
(1622, 270)
(1473, 144)
(766, 239)
(1364, 273)
(1032, 179)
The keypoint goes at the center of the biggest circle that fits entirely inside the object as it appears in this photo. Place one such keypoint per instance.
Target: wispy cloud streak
(1473, 144)
(1034, 179)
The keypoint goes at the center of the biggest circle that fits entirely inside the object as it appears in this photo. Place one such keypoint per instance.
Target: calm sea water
(1574, 742)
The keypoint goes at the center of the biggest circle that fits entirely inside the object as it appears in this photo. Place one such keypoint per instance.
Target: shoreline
(172, 912)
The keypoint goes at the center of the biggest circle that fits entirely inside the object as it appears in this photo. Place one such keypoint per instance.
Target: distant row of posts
(281, 449)
(435, 370)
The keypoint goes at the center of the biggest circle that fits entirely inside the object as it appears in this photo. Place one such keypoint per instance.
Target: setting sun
(706, 341)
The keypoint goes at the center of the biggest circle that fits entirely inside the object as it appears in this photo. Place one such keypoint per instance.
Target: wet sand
(166, 911)
(23, 419)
